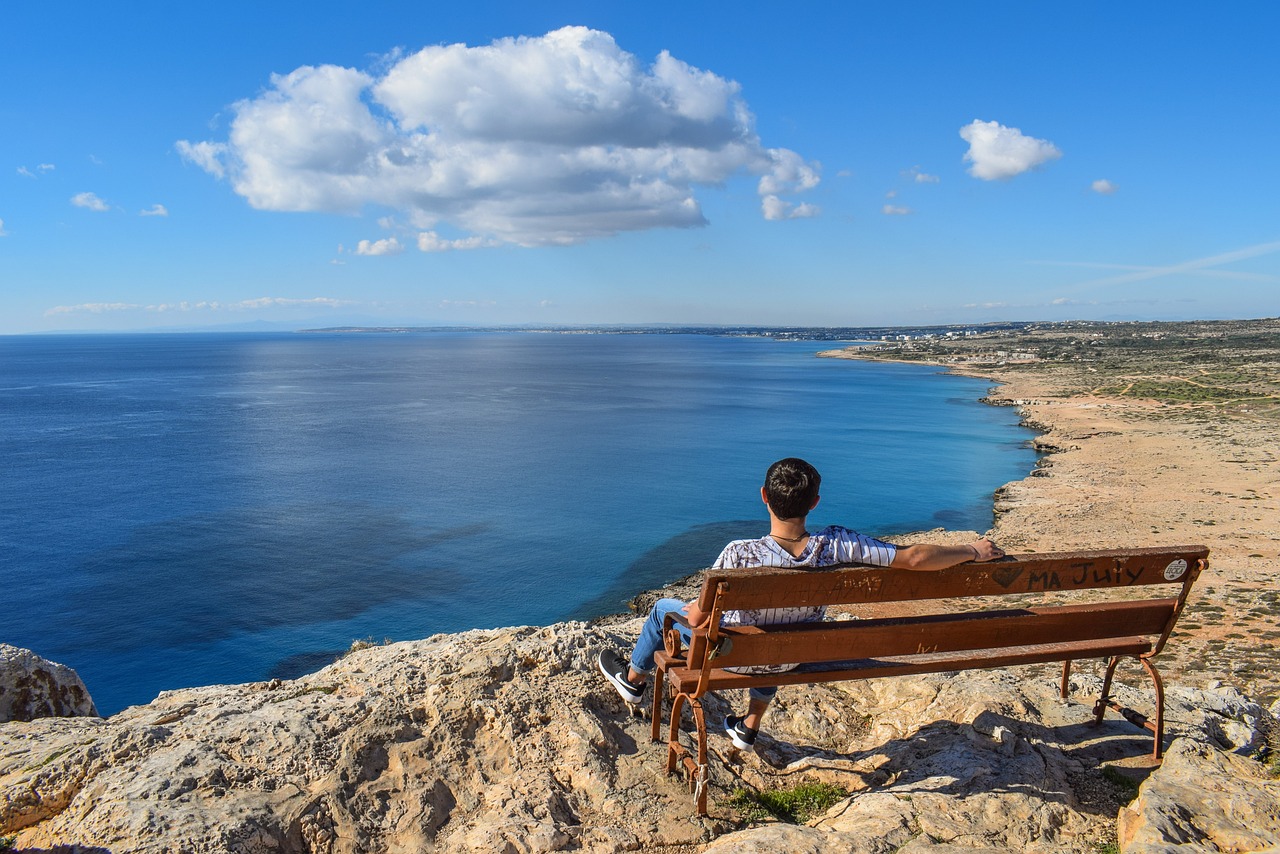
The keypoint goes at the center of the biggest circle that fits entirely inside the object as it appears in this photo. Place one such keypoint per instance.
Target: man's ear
(764, 496)
(816, 499)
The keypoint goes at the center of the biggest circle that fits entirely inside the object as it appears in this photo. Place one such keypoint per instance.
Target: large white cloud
(998, 152)
(547, 140)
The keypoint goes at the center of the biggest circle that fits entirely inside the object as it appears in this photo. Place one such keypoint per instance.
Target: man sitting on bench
(790, 491)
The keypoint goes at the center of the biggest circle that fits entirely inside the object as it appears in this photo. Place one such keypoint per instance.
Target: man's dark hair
(791, 487)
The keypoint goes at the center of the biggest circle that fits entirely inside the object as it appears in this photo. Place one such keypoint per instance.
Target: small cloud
(386, 246)
(91, 308)
(42, 168)
(89, 201)
(546, 303)
(919, 177)
(278, 302)
(3, 233)
(845, 173)
(95, 160)
(775, 208)
(429, 241)
(207, 155)
(998, 152)
(154, 210)
(1103, 186)
(896, 210)
(892, 194)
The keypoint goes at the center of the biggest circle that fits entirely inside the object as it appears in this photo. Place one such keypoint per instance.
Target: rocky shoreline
(506, 740)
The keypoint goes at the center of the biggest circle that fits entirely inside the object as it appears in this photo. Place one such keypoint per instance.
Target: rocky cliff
(508, 740)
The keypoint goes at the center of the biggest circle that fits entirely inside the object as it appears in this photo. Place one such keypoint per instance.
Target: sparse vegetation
(6, 842)
(1122, 781)
(796, 805)
(367, 643)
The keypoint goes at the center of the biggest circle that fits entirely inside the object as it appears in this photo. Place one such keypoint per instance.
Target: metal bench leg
(698, 774)
(1100, 708)
(1158, 728)
(1134, 717)
(679, 755)
(674, 747)
(1066, 677)
(659, 690)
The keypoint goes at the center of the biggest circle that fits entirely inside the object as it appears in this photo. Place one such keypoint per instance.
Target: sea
(191, 509)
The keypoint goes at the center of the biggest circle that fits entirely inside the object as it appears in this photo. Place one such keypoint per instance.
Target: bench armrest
(670, 637)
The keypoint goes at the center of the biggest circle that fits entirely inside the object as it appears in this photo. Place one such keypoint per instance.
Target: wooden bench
(944, 639)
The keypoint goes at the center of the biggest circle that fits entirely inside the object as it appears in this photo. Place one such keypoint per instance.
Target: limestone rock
(508, 740)
(1203, 799)
(32, 687)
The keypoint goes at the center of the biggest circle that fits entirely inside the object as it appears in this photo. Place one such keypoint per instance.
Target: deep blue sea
(190, 509)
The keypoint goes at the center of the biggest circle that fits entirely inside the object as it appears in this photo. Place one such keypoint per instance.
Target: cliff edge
(507, 740)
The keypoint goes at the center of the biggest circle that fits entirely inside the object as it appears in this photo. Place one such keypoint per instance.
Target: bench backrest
(729, 590)
(745, 589)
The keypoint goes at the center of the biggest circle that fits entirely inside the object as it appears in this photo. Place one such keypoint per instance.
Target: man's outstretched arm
(925, 557)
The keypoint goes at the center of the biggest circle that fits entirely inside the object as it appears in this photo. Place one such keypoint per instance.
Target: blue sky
(570, 163)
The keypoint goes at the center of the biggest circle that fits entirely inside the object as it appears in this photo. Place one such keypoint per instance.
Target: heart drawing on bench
(1005, 577)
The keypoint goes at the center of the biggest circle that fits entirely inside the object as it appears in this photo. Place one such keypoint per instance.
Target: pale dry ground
(1125, 472)
(1137, 473)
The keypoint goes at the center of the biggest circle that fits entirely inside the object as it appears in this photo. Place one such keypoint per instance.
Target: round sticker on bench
(1175, 570)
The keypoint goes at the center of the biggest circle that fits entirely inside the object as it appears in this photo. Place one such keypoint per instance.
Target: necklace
(791, 539)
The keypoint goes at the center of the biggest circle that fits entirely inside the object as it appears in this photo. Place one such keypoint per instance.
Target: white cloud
(919, 177)
(429, 241)
(1196, 266)
(775, 208)
(386, 246)
(533, 140)
(201, 305)
(42, 168)
(90, 201)
(3, 233)
(998, 152)
(91, 308)
(1103, 186)
(154, 210)
(277, 302)
(895, 210)
(207, 155)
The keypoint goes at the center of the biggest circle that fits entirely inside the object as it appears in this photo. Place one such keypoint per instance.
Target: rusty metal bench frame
(943, 640)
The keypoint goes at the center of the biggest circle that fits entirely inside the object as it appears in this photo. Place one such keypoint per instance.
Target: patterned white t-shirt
(831, 545)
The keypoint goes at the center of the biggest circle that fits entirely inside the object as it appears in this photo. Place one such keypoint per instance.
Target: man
(790, 491)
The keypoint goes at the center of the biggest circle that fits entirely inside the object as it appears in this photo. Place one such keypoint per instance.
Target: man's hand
(984, 550)
(697, 617)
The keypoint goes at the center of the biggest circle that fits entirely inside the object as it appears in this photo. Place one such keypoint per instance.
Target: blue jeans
(650, 641)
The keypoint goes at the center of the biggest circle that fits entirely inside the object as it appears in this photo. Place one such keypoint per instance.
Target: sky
(177, 166)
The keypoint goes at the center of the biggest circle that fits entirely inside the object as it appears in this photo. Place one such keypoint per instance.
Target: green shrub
(794, 806)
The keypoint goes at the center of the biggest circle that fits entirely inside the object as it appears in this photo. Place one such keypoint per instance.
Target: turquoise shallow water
(189, 509)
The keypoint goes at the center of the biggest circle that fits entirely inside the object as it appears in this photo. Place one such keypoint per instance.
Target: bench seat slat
(841, 640)
(686, 680)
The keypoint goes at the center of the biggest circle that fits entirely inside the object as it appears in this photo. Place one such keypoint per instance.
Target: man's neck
(791, 534)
